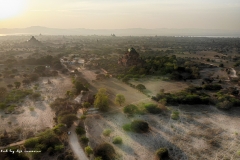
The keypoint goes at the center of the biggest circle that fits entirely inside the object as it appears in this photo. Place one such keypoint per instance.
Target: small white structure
(81, 61)
(78, 98)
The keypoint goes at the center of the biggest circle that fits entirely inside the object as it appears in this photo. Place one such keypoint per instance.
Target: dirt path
(14, 144)
(74, 143)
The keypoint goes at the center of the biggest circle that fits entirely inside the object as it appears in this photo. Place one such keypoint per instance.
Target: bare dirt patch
(154, 86)
(37, 115)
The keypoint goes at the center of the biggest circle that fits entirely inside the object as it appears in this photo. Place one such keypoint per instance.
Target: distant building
(130, 58)
(33, 42)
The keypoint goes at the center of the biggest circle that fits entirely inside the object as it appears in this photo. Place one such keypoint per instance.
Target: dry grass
(40, 117)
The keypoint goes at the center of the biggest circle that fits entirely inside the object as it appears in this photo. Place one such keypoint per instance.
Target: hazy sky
(116, 14)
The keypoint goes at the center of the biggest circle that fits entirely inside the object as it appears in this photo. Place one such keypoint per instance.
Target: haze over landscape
(119, 80)
(153, 17)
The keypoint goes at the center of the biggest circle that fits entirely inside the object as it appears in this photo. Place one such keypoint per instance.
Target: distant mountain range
(36, 30)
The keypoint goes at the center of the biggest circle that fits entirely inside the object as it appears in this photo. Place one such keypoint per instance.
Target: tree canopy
(120, 99)
(101, 100)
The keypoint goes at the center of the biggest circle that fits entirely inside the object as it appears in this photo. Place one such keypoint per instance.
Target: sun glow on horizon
(11, 8)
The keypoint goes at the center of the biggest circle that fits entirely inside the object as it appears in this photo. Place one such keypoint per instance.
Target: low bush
(105, 150)
(117, 140)
(80, 130)
(31, 109)
(139, 126)
(36, 95)
(88, 150)
(212, 87)
(140, 87)
(107, 132)
(84, 139)
(224, 105)
(161, 153)
(152, 108)
(127, 127)
(175, 115)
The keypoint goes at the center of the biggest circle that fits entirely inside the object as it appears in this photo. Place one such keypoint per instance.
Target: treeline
(176, 68)
(44, 60)
(164, 65)
(193, 95)
(183, 97)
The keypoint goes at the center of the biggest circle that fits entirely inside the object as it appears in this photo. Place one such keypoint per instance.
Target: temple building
(130, 58)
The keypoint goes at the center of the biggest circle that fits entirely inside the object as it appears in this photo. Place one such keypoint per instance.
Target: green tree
(67, 119)
(88, 150)
(101, 100)
(105, 150)
(140, 87)
(120, 99)
(79, 87)
(139, 126)
(17, 84)
(117, 140)
(84, 139)
(130, 109)
(80, 130)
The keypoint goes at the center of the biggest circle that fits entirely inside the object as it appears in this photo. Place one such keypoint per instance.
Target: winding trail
(74, 143)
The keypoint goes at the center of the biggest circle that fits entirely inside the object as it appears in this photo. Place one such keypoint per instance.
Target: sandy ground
(197, 135)
(154, 86)
(42, 116)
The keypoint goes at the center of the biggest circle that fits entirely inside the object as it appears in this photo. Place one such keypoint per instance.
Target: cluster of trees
(152, 108)
(189, 96)
(47, 142)
(44, 60)
(163, 65)
(80, 84)
(65, 111)
(9, 73)
(225, 100)
(154, 65)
